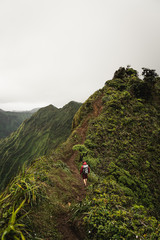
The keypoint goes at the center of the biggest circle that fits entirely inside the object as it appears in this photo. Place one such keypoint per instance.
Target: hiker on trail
(85, 169)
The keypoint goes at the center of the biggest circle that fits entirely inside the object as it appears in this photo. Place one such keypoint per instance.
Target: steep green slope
(35, 137)
(117, 132)
(10, 121)
(122, 146)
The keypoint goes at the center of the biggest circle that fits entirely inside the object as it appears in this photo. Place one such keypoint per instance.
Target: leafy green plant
(22, 193)
(13, 229)
(113, 215)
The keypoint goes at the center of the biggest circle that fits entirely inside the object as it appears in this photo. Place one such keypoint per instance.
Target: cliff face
(10, 121)
(35, 137)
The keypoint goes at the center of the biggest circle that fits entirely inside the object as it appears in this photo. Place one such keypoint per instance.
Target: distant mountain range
(35, 137)
(11, 120)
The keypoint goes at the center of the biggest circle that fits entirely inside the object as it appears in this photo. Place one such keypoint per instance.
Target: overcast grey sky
(55, 51)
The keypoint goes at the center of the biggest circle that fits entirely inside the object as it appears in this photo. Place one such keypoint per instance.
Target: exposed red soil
(64, 225)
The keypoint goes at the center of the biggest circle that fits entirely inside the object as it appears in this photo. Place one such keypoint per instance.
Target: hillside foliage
(10, 121)
(122, 149)
(117, 132)
(35, 137)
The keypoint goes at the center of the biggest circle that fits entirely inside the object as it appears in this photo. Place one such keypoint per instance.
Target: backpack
(85, 169)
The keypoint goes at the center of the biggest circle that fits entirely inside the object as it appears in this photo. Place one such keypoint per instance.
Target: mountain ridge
(43, 131)
(10, 121)
(116, 131)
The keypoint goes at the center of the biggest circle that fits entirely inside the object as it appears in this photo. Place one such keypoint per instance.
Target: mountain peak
(36, 136)
(50, 107)
(117, 132)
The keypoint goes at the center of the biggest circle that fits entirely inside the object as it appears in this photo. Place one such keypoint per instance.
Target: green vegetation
(117, 131)
(31, 203)
(109, 213)
(22, 191)
(122, 148)
(10, 121)
(35, 137)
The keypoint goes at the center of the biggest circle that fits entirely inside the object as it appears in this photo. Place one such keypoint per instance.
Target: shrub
(140, 89)
(113, 215)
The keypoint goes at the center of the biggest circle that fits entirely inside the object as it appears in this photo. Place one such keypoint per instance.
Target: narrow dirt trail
(64, 225)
